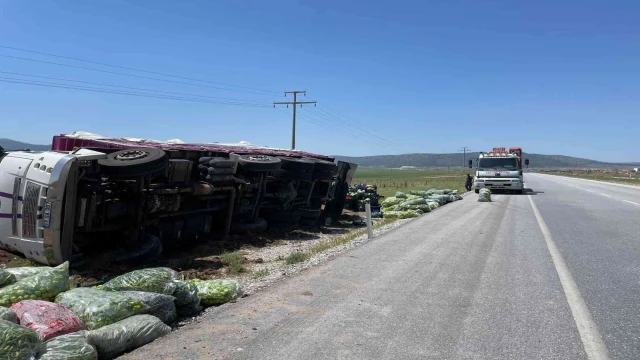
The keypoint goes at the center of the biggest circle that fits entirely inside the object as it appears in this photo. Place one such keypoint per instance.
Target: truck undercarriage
(136, 199)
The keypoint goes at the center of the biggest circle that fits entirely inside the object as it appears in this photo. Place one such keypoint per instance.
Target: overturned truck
(134, 198)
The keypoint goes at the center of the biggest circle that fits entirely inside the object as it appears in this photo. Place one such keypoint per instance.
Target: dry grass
(389, 181)
(235, 262)
(296, 257)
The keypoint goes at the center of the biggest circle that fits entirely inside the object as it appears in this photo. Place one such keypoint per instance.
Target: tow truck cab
(500, 169)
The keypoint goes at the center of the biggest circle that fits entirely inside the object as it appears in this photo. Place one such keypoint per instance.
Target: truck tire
(477, 191)
(259, 162)
(134, 162)
(324, 166)
(255, 227)
(296, 164)
(220, 162)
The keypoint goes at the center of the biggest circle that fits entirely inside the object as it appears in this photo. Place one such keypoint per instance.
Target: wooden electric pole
(294, 103)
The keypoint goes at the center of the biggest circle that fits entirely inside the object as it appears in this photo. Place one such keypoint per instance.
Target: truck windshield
(498, 164)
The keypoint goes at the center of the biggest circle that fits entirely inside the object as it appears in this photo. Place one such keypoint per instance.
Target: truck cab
(500, 170)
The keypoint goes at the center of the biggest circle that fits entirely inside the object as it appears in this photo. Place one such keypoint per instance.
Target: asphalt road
(468, 281)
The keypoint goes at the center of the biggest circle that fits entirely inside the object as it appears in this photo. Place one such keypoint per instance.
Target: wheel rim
(131, 155)
(258, 158)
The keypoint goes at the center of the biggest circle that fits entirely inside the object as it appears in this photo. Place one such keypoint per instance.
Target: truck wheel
(255, 227)
(323, 165)
(293, 175)
(477, 191)
(134, 162)
(296, 164)
(259, 162)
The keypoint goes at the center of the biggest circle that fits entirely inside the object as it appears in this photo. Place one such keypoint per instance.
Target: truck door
(12, 183)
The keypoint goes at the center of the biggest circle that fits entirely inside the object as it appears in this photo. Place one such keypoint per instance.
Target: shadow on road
(532, 192)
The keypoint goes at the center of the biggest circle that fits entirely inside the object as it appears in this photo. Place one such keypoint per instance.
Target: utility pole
(464, 156)
(294, 103)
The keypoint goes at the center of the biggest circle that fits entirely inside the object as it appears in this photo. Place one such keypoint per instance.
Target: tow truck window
(498, 164)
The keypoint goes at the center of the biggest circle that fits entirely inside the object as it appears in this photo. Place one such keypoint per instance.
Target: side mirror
(470, 162)
(526, 162)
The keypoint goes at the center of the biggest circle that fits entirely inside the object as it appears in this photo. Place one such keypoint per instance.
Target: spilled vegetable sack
(47, 319)
(42, 286)
(18, 342)
(217, 292)
(156, 280)
(68, 347)
(98, 308)
(128, 334)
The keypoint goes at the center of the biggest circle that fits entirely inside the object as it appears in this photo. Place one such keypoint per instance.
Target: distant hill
(9, 144)
(455, 159)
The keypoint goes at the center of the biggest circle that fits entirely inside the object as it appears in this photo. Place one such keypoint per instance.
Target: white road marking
(591, 191)
(591, 339)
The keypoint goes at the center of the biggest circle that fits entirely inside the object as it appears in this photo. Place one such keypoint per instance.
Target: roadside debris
(485, 195)
(362, 194)
(126, 312)
(403, 206)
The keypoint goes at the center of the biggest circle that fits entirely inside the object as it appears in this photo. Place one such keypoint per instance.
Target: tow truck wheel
(259, 162)
(134, 162)
(477, 191)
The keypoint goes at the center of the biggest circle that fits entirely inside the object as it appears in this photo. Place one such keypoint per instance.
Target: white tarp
(243, 144)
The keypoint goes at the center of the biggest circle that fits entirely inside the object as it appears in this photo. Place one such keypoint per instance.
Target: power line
(348, 130)
(363, 131)
(125, 74)
(343, 119)
(128, 68)
(324, 126)
(133, 88)
(109, 91)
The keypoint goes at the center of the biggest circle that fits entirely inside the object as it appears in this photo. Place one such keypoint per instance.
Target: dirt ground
(203, 261)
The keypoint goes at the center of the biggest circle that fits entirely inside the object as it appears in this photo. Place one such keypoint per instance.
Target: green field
(391, 180)
(616, 178)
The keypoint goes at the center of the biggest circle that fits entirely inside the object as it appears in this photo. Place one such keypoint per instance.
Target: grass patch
(235, 262)
(346, 238)
(260, 273)
(391, 180)
(296, 257)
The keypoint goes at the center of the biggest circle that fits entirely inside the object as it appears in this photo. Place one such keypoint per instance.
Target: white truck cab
(500, 170)
(32, 188)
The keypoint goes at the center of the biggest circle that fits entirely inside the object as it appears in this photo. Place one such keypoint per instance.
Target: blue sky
(555, 77)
